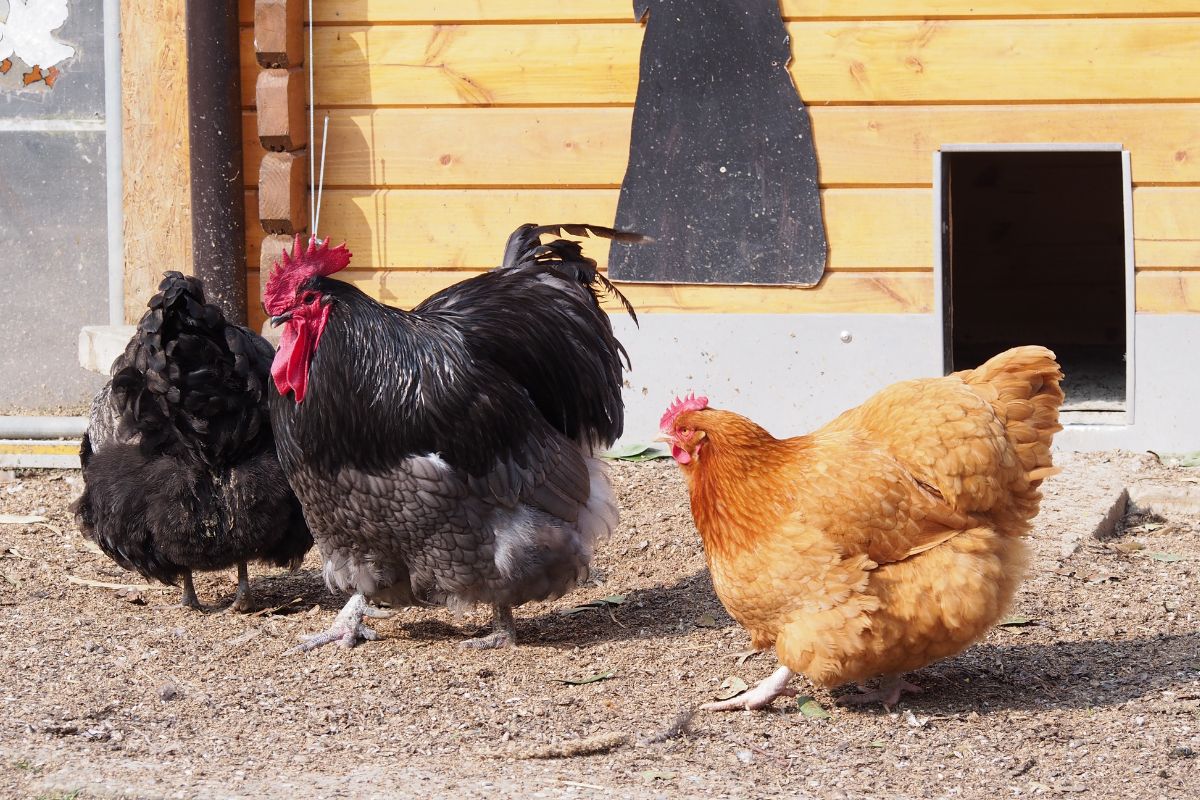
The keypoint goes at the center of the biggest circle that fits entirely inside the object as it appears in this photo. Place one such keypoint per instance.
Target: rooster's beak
(664, 438)
(282, 318)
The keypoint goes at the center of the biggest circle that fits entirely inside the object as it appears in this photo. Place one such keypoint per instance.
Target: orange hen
(888, 539)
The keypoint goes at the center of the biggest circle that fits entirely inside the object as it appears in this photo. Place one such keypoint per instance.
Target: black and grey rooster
(179, 463)
(445, 455)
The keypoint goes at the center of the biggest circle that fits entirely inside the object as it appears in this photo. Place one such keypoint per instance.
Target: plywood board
(157, 192)
(870, 145)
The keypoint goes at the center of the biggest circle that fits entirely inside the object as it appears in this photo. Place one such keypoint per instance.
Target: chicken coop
(841, 194)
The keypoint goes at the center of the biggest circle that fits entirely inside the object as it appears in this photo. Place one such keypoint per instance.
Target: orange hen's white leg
(888, 693)
(761, 696)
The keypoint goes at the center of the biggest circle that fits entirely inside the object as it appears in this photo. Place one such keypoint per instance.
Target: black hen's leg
(243, 601)
(189, 593)
(504, 631)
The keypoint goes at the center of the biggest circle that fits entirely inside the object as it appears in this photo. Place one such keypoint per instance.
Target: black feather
(446, 452)
(179, 461)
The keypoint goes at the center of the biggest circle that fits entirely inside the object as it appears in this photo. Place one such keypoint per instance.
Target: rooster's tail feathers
(1023, 386)
(524, 249)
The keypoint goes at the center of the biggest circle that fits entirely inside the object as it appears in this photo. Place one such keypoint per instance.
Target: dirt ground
(1094, 690)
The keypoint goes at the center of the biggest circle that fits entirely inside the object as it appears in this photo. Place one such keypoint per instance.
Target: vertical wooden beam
(280, 97)
(283, 193)
(157, 197)
(279, 33)
(282, 111)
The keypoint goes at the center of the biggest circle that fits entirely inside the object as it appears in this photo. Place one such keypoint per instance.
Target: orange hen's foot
(761, 696)
(888, 693)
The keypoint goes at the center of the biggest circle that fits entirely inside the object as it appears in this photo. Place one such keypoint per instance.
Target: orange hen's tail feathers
(1022, 386)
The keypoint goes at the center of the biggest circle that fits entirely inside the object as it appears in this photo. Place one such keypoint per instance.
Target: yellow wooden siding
(409, 11)
(880, 229)
(856, 145)
(905, 61)
(444, 136)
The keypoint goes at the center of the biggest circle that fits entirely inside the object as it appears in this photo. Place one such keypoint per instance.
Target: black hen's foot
(347, 629)
(504, 632)
(189, 599)
(243, 601)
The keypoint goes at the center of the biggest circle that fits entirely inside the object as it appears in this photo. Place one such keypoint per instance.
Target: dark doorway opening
(1035, 253)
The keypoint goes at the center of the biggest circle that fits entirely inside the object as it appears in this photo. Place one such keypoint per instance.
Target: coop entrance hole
(1037, 250)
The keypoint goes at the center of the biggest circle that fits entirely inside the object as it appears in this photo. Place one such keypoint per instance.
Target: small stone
(168, 692)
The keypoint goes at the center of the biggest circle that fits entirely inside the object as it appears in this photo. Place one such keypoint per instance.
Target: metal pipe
(42, 427)
(215, 134)
(112, 162)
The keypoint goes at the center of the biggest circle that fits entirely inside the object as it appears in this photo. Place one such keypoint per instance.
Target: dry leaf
(731, 687)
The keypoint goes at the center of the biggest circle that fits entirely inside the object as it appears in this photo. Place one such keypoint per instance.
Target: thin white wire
(312, 111)
(321, 180)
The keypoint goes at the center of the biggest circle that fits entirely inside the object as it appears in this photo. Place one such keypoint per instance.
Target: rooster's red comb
(293, 269)
(682, 404)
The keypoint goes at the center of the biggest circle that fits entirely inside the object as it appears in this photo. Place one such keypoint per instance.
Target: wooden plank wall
(451, 121)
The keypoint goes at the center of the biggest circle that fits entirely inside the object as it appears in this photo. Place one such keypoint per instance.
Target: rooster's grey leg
(761, 696)
(189, 593)
(504, 631)
(347, 629)
(243, 601)
(888, 693)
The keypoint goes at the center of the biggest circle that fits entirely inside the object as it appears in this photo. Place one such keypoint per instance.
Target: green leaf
(707, 620)
(1017, 622)
(731, 687)
(651, 775)
(877, 744)
(635, 452)
(599, 676)
(1165, 557)
(1179, 459)
(811, 708)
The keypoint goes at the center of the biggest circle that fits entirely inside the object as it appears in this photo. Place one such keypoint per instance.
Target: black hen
(179, 464)
(445, 455)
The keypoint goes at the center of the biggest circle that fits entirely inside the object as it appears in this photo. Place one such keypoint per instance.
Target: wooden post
(280, 97)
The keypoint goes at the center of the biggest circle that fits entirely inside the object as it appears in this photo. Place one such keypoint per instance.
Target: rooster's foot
(504, 632)
(888, 693)
(189, 599)
(243, 601)
(761, 696)
(347, 629)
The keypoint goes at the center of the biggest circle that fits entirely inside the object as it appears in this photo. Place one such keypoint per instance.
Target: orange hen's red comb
(682, 404)
(293, 269)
